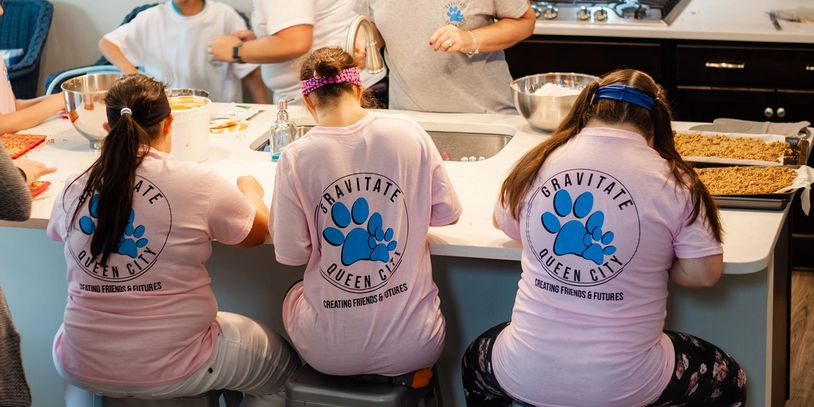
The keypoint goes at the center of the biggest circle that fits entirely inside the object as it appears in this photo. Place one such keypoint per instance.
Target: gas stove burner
(631, 9)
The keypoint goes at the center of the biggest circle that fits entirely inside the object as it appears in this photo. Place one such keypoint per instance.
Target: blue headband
(626, 94)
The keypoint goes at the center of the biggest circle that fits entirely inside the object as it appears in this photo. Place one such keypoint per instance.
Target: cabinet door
(704, 104)
(541, 54)
(745, 66)
(794, 105)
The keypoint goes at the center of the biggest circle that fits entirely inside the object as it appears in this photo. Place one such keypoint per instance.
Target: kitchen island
(475, 266)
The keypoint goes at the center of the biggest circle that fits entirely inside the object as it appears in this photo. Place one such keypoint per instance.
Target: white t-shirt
(147, 318)
(600, 227)
(330, 20)
(173, 48)
(359, 220)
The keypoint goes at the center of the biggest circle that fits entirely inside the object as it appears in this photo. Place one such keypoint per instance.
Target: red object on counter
(19, 144)
(38, 187)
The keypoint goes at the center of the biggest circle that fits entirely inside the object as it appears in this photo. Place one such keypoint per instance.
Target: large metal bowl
(85, 103)
(546, 112)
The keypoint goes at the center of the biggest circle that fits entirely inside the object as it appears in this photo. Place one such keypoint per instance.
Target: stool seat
(311, 388)
(209, 399)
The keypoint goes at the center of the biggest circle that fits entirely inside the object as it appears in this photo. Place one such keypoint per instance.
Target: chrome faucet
(374, 62)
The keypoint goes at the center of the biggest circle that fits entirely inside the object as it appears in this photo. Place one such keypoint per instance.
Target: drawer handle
(810, 68)
(726, 65)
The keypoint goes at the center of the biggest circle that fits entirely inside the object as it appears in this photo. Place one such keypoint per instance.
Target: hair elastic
(349, 75)
(626, 93)
(147, 116)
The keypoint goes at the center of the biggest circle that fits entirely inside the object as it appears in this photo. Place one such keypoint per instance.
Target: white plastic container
(190, 129)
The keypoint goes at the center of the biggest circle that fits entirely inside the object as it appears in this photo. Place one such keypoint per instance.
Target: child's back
(355, 203)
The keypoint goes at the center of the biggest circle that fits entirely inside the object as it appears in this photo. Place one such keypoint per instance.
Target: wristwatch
(236, 53)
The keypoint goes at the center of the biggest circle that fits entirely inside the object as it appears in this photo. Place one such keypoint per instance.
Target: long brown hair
(326, 62)
(112, 175)
(655, 123)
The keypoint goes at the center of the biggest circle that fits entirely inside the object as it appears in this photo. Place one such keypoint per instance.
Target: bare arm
(254, 81)
(32, 114)
(698, 272)
(493, 37)
(114, 54)
(260, 228)
(285, 45)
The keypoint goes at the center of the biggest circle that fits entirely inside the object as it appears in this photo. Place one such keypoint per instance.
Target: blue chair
(55, 79)
(24, 28)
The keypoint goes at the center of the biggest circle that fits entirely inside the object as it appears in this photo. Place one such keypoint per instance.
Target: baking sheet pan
(797, 145)
(771, 202)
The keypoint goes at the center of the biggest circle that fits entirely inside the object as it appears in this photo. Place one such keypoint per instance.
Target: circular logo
(139, 246)
(364, 230)
(583, 227)
(454, 13)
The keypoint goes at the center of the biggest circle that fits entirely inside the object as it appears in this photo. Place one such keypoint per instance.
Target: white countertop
(716, 20)
(748, 245)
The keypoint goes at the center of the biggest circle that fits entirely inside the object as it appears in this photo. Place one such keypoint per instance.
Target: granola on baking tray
(746, 180)
(721, 146)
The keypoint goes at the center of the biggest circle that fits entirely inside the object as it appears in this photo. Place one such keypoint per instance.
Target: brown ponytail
(657, 124)
(112, 176)
(326, 62)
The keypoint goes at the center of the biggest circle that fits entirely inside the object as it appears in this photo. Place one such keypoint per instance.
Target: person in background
(447, 56)
(16, 115)
(169, 42)
(360, 224)
(601, 239)
(141, 318)
(285, 31)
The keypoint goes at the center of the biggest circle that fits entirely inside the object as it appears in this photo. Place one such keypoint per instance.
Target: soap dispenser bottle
(283, 131)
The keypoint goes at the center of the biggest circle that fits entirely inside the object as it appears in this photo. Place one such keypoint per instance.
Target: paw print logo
(360, 243)
(580, 236)
(129, 243)
(454, 14)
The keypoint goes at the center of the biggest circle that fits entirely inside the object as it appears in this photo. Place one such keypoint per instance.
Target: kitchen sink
(477, 143)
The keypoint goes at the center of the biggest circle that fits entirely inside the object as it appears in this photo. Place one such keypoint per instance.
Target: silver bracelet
(476, 47)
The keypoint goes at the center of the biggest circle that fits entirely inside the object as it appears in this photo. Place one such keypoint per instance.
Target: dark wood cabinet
(541, 54)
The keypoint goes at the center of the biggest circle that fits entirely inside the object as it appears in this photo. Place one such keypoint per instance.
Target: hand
(245, 35)
(249, 185)
(450, 38)
(33, 169)
(221, 48)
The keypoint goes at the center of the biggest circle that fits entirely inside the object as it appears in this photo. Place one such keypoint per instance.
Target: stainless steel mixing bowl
(85, 103)
(546, 112)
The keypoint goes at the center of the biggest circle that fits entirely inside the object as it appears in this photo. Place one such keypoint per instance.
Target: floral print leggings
(704, 374)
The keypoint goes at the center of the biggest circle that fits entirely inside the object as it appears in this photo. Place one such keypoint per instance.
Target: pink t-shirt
(600, 228)
(8, 103)
(355, 204)
(148, 317)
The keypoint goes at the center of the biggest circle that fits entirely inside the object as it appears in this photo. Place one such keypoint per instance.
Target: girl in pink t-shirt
(607, 212)
(141, 319)
(353, 200)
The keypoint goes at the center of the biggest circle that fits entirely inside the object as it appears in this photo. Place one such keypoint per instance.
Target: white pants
(247, 357)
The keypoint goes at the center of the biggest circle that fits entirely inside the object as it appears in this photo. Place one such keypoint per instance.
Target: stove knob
(538, 10)
(583, 14)
(601, 15)
(550, 12)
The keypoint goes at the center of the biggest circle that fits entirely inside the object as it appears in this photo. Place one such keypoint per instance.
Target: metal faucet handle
(373, 57)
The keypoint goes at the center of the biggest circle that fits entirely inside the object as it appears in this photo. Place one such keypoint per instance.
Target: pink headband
(349, 75)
